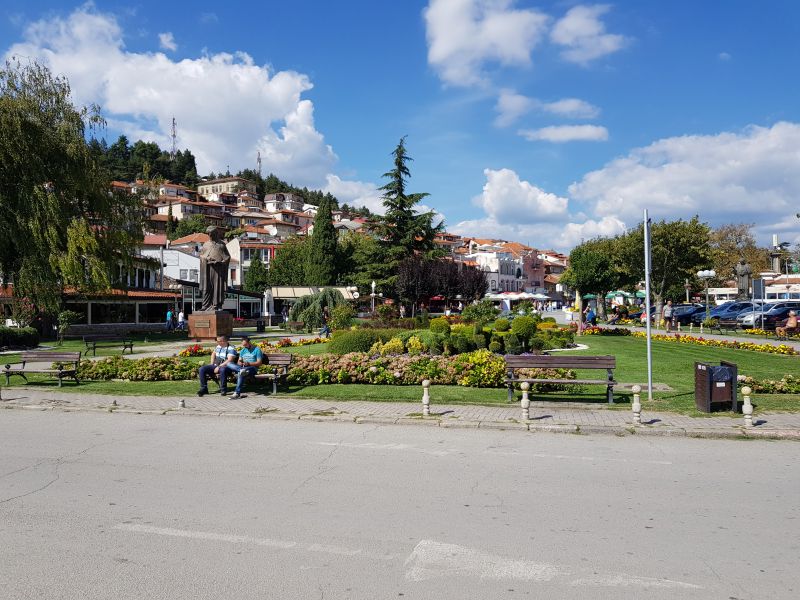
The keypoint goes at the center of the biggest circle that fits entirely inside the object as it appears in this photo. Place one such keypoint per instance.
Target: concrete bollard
(747, 407)
(701, 329)
(691, 327)
(426, 398)
(637, 405)
(525, 403)
(182, 403)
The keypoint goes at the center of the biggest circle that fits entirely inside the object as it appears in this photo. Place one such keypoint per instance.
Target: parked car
(727, 311)
(774, 311)
(683, 313)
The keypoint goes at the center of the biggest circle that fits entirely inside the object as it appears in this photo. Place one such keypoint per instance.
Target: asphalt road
(97, 505)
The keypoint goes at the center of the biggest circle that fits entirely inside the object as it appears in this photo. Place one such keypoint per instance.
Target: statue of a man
(743, 277)
(214, 261)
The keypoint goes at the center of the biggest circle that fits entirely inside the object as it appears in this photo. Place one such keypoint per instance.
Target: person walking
(667, 314)
(181, 321)
(168, 323)
(223, 356)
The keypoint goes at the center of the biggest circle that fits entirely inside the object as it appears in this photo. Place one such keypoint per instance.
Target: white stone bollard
(701, 328)
(426, 398)
(637, 404)
(182, 403)
(747, 408)
(525, 403)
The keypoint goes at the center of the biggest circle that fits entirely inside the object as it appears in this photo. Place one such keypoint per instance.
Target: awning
(619, 293)
(589, 296)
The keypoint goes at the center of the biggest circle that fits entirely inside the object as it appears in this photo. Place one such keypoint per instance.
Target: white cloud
(566, 133)
(209, 18)
(167, 41)
(572, 108)
(724, 56)
(225, 105)
(355, 193)
(729, 177)
(584, 36)
(507, 199)
(511, 106)
(464, 35)
(573, 234)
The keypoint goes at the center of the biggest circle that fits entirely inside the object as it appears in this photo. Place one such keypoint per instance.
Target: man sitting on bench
(790, 327)
(250, 358)
(223, 356)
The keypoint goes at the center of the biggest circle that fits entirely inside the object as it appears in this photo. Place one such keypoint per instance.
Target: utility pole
(258, 163)
(174, 136)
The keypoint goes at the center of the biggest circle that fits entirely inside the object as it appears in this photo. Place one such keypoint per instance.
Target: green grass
(673, 364)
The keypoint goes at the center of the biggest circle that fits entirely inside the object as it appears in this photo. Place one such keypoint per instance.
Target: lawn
(673, 364)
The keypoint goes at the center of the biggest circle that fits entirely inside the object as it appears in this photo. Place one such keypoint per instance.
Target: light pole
(706, 275)
(372, 295)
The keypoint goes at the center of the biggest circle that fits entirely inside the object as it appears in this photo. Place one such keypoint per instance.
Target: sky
(543, 122)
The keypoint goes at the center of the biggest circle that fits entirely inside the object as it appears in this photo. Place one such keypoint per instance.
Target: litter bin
(260, 326)
(715, 386)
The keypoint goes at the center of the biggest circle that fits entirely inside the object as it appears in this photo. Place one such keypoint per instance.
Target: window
(184, 274)
(493, 284)
(194, 275)
(233, 274)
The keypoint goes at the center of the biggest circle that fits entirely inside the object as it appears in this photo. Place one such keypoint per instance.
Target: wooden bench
(91, 342)
(726, 324)
(282, 362)
(59, 358)
(544, 361)
(295, 325)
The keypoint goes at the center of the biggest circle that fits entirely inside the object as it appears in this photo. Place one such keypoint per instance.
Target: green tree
(170, 227)
(404, 231)
(589, 272)
(188, 226)
(362, 260)
(288, 267)
(61, 226)
(322, 251)
(256, 279)
(734, 241)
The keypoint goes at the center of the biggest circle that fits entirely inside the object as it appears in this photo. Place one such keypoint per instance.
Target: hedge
(23, 337)
(359, 340)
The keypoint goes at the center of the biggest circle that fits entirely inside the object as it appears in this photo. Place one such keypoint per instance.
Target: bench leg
(511, 392)
(60, 379)
(610, 394)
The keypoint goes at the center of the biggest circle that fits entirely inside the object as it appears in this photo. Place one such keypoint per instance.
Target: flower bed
(787, 385)
(288, 343)
(609, 331)
(700, 341)
(141, 369)
(194, 350)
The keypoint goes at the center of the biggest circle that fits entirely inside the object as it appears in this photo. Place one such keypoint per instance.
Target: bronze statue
(743, 277)
(214, 261)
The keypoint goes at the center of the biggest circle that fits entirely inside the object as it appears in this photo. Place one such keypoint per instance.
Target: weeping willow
(309, 309)
(60, 225)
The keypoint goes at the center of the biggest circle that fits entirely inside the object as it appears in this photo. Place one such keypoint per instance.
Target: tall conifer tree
(321, 267)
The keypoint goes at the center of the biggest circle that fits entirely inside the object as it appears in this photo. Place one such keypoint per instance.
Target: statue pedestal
(208, 325)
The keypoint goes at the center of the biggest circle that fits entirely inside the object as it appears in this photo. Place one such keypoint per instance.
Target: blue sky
(542, 122)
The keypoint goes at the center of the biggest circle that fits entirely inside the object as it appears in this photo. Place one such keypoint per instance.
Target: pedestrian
(250, 358)
(326, 330)
(169, 324)
(667, 314)
(181, 321)
(223, 356)
(402, 311)
(285, 313)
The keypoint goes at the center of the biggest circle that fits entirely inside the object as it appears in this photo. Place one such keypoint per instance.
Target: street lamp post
(372, 295)
(706, 275)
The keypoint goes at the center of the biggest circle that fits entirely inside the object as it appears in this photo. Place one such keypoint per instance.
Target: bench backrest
(544, 361)
(278, 359)
(38, 356)
(105, 337)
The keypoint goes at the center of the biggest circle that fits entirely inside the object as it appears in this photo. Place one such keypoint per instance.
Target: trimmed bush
(440, 325)
(358, 340)
(548, 319)
(22, 337)
(537, 344)
(496, 347)
(479, 340)
(393, 346)
(513, 345)
(502, 325)
(524, 327)
(482, 311)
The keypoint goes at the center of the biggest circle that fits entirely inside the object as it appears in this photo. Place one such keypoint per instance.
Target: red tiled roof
(155, 239)
(194, 238)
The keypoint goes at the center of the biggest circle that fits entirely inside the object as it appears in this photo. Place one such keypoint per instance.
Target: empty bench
(92, 341)
(725, 325)
(66, 365)
(544, 361)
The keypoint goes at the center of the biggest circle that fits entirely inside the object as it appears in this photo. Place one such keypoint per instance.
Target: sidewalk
(545, 416)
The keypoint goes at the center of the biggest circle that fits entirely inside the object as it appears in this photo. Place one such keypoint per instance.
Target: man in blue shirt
(169, 319)
(250, 358)
(223, 356)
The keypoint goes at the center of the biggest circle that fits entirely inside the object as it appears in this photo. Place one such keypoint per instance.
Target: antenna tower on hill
(258, 162)
(174, 136)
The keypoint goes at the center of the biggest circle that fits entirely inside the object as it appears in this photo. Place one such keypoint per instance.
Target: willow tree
(61, 224)
(309, 309)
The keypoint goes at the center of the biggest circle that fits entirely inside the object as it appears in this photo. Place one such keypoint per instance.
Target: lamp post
(706, 275)
(372, 295)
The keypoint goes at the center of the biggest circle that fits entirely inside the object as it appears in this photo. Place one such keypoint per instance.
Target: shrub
(393, 346)
(142, 369)
(502, 325)
(440, 325)
(482, 311)
(496, 347)
(548, 319)
(537, 344)
(431, 342)
(461, 329)
(479, 341)
(386, 312)
(481, 369)
(524, 327)
(512, 343)
(342, 316)
(547, 325)
(414, 345)
(22, 337)
(359, 340)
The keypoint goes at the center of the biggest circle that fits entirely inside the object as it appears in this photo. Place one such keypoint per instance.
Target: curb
(734, 433)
